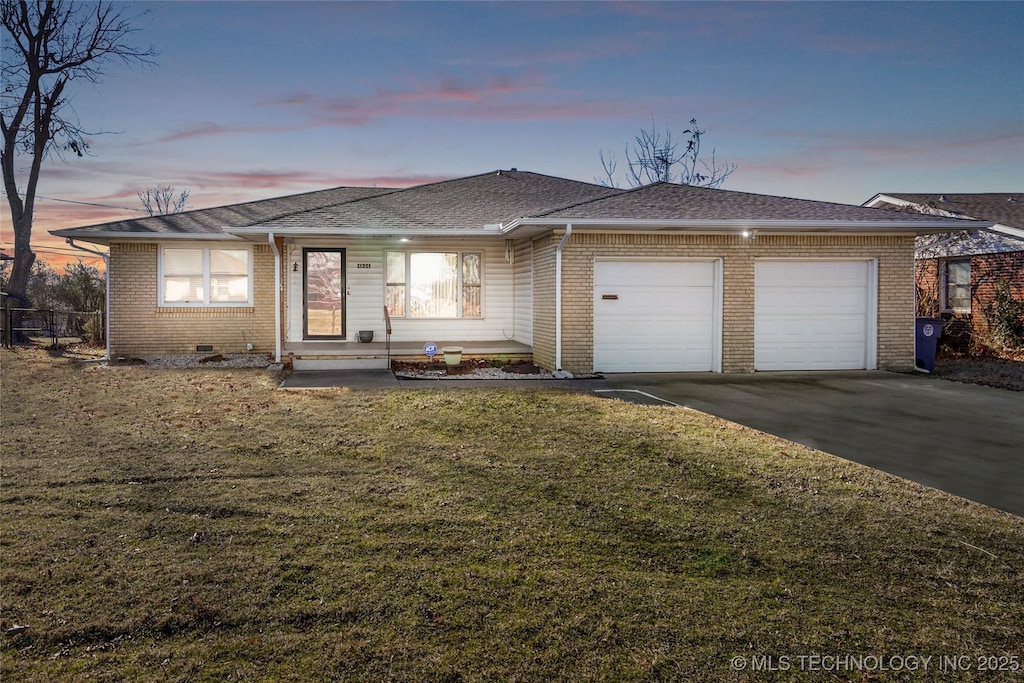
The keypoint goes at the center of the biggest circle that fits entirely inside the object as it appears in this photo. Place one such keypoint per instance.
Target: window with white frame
(205, 276)
(422, 284)
(957, 278)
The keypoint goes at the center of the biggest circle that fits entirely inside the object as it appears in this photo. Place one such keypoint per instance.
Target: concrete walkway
(961, 438)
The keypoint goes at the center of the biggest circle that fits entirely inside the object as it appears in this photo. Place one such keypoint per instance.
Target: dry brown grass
(202, 525)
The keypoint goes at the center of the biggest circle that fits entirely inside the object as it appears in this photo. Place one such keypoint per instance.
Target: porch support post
(277, 297)
(558, 296)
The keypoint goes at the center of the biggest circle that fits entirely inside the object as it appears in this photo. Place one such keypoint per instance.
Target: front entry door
(323, 293)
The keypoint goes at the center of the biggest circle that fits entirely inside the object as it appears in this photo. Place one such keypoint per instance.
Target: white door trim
(871, 342)
(717, 294)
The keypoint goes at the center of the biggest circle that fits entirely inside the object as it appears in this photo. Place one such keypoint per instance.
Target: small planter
(452, 355)
(365, 336)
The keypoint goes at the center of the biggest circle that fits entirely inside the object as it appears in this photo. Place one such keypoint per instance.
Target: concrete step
(340, 363)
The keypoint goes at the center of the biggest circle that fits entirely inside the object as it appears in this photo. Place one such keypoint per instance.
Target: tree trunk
(21, 266)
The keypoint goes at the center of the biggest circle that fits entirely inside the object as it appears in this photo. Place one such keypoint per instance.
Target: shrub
(1005, 316)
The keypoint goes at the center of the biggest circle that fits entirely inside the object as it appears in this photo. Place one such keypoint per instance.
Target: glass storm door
(323, 293)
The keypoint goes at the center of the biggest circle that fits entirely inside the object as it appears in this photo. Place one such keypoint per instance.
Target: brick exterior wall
(544, 301)
(139, 327)
(987, 270)
(895, 313)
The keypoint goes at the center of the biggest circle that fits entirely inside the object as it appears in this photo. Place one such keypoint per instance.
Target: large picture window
(423, 284)
(205, 276)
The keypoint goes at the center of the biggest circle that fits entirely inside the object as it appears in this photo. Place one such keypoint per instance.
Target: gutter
(767, 225)
(106, 285)
(558, 297)
(277, 297)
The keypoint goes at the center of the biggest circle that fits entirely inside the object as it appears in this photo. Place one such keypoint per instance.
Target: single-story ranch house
(583, 277)
(958, 273)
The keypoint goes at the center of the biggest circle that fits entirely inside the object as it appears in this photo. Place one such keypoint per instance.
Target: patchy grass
(201, 525)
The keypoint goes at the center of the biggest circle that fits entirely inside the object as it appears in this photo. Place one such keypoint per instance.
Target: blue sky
(820, 100)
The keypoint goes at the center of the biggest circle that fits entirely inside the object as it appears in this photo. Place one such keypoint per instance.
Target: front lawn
(198, 525)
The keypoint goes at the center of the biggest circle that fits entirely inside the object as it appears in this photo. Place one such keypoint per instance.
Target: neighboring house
(582, 277)
(957, 273)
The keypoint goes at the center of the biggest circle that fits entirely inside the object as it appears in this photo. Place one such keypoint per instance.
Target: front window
(433, 284)
(205, 276)
(958, 285)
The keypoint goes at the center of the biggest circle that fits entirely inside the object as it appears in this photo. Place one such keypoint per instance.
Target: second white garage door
(813, 315)
(656, 316)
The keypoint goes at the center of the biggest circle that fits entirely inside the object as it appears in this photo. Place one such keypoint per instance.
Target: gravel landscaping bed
(474, 369)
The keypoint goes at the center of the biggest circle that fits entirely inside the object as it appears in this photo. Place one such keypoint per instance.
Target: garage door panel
(662, 318)
(643, 274)
(811, 315)
(637, 301)
(820, 300)
(796, 328)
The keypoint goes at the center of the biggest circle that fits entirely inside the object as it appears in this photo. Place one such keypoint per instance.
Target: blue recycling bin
(927, 338)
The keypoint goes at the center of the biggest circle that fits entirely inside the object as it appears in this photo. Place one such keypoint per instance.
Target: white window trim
(205, 247)
(461, 253)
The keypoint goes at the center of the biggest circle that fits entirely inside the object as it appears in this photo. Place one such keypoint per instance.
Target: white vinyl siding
(205, 276)
(366, 282)
(523, 302)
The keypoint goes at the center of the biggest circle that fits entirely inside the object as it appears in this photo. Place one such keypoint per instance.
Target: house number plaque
(363, 265)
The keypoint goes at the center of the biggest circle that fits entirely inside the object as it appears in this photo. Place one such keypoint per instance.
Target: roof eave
(106, 237)
(531, 226)
(251, 231)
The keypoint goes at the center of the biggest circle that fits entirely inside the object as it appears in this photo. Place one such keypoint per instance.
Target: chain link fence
(49, 327)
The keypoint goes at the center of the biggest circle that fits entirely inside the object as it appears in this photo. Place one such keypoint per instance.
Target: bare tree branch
(655, 158)
(161, 200)
(49, 44)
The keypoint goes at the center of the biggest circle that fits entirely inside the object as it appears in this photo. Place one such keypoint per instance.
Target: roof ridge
(384, 193)
(616, 192)
(260, 201)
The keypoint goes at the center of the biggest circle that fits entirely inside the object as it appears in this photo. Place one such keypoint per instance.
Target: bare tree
(161, 200)
(655, 158)
(49, 44)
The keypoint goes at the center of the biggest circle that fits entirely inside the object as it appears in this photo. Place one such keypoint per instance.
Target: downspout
(277, 297)
(106, 296)
(558, 297)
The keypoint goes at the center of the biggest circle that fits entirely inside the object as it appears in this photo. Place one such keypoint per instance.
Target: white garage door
(812, 315)
(655, 316)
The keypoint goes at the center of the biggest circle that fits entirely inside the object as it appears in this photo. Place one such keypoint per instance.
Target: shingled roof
(461, 204)
(668, 201)
(505, 201)
(1005, 208)
(214, 220)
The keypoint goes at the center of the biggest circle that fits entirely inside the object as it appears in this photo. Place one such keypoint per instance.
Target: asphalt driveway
(961, 438)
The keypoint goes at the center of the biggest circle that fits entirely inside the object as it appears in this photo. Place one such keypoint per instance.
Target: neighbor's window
(958, 285)
(205, 276)
(433, 284)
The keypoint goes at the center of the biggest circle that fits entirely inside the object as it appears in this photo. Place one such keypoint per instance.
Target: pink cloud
(209, 128)
(497, 98)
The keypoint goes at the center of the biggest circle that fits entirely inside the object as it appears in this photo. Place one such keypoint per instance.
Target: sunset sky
(817, 100)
